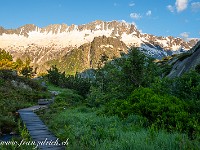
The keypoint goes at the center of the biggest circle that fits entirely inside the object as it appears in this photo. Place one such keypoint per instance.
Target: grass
(52, 87)
(86, 130)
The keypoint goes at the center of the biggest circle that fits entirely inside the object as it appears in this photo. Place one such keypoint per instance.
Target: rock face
(187, 63)
(90, 55)
(56, 42)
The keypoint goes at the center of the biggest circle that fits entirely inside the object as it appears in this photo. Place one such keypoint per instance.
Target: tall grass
(87, 130)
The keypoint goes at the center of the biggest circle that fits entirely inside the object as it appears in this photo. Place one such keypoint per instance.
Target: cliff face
(90, 55)
(187, 62)
(52, 43)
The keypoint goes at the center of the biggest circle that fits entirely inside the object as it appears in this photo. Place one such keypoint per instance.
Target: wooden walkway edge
(38, 130)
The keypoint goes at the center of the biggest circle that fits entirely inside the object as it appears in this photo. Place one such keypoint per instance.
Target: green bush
(118, 78)
(75, 82)
(164, 111)
(186, 88)
(5, 55)
(54, 75)
(81, 85)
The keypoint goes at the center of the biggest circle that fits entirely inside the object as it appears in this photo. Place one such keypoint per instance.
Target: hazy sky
(159, 17)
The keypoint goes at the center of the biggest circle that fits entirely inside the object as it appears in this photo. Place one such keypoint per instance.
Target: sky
(178, 18)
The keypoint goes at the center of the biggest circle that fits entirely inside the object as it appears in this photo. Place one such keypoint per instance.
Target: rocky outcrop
(186, 62)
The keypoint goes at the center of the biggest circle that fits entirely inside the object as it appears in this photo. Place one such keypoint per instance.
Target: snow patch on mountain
(59, 38)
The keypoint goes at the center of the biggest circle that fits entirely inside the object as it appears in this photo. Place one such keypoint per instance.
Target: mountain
(186, 62)
(56, 43)
(90, 55)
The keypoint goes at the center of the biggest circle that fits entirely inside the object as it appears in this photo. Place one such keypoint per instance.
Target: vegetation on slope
(128, 106)
(16, 91)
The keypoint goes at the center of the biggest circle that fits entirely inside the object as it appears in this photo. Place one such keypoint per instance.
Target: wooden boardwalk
(38, 130)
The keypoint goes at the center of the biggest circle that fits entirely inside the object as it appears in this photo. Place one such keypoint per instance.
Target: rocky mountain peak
(57, 40)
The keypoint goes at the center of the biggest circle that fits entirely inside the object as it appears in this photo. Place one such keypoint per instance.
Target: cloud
(185, 35)
(148, 13)
(135, 16)
(181, 5)
(195, 6)
(170, 8)
(132, 4)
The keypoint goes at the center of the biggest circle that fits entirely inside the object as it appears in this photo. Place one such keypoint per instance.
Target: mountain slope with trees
(127, 96)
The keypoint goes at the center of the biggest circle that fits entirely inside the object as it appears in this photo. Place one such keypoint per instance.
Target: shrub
(75, 82)
(53, 75)
(81, 85)
(164, 111)
(197, 68)
(118, 78)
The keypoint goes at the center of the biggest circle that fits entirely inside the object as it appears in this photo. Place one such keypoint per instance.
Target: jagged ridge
(55, 41)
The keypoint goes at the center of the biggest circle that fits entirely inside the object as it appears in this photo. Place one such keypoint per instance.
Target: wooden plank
(44, 137)
(37, 129)
(35, 123)
(42, 132)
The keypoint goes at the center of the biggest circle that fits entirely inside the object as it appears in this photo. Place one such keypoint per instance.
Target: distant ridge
(55, 41)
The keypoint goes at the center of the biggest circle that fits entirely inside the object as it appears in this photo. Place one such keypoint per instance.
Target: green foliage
(138, 69)
(14, 95)
(67, 99)
(96, 98)
(5, 55)
(86, 130)
(27, 71)
(53, 75)
(166, 69)
(164, 111)
(75, 82)
(133, 105)
(13, 143)
(7, 63)
(118, 78)
(186, 87)
(197, 68)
